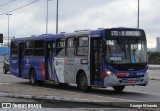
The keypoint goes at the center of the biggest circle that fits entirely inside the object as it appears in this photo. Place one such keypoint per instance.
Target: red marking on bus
(42, 68)
(123, 74)
(105, 74)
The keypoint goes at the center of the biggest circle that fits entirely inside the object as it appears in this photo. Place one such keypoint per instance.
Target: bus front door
(20, 59)
(96, 61)
(49, 58)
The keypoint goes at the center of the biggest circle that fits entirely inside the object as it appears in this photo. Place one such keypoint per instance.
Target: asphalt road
(149, 93)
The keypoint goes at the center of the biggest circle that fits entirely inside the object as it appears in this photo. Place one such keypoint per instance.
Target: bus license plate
(131, 81)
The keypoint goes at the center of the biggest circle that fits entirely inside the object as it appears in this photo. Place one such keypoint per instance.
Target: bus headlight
(108, 73)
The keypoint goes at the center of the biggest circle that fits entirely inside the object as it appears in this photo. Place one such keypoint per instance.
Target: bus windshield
(126, 51)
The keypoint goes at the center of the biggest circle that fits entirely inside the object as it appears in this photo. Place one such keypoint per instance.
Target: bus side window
(82, 49)
(71, 45)
(29, 48)
(60, 47)
(39, 48)
(14, 49)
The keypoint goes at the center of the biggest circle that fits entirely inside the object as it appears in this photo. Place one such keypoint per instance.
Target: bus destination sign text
(126, 33)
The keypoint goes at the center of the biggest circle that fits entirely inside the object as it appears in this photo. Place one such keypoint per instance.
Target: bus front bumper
(114, 81)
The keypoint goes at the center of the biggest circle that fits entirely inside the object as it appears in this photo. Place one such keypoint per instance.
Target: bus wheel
(118, 88)
(4, 70)
(32, 77)
(82, 82)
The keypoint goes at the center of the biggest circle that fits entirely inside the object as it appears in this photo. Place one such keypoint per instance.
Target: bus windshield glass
(126, 51)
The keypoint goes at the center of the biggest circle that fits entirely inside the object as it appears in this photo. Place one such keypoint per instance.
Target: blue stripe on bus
(56, 75)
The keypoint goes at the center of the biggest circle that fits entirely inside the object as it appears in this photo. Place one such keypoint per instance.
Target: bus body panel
(39, 66)
(14, 66)
(65, 69)
(51, 66)
(59, 69)
(114, 81)
(139, 77)
(73, 66)
(70, 68)
(27, 67)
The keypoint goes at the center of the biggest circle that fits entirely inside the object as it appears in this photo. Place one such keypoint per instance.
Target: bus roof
(63, 34)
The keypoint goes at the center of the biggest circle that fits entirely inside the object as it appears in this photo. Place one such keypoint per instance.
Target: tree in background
(154, 57)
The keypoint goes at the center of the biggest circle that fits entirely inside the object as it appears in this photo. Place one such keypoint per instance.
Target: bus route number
(125, 33)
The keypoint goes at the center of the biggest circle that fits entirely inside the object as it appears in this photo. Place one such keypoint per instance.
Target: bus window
(82, 49)
(29, 48)
(60, 47)
(14, 49)
(39, 48)
(71, 44)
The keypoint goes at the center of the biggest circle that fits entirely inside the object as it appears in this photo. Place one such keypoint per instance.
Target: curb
(58, 98)
(75, 100)
(65, 99)
(49, 98)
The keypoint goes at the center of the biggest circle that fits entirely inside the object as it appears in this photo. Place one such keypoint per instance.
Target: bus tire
(83, 83)
(118, 88)
(4, 70)
(32, 77)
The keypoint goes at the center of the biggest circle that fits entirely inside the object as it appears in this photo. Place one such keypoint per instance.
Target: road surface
(149, 93)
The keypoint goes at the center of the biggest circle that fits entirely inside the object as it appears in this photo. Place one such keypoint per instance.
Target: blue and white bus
(115, 57)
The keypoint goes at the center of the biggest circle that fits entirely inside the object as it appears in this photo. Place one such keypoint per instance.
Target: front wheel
(82, 82)
(118, 88)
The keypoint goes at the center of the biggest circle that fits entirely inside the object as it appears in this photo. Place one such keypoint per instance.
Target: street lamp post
(57, 19)
(47, 18)
(138, 16)
(8, 31)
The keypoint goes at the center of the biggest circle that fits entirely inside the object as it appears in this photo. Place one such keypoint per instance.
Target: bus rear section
(125, 58)
(17, 58)
(32, 58)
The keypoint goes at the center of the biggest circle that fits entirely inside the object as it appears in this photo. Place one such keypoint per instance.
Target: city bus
(113, 57)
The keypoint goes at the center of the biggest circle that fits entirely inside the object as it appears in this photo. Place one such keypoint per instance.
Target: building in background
(158, 44)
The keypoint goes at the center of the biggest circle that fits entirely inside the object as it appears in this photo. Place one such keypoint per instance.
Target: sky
(79, 15)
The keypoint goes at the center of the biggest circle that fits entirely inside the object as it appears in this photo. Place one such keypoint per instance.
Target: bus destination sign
(125, 33)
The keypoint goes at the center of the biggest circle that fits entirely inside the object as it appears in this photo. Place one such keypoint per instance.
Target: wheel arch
(78, 74)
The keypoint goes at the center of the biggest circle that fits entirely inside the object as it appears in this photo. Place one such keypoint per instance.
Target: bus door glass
(14, 58)
(96, 59)
(59, 60)
(70, 65)
(20, 59)
(49, 59)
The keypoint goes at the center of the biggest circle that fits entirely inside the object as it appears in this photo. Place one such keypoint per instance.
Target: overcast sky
(80, 14)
